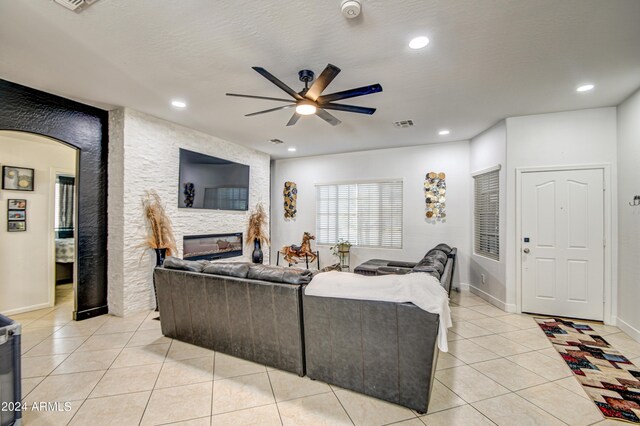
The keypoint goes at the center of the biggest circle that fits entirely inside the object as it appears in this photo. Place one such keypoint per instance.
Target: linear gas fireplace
(212, 246)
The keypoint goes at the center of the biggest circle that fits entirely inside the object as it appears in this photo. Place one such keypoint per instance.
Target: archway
(86, 129)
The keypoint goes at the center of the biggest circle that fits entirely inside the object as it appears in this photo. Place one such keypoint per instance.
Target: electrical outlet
(484, 279)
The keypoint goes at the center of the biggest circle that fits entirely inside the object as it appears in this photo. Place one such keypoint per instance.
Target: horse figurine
(293, 253)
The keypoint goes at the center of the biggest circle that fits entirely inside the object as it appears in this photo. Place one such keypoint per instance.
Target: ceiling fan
(309, 100)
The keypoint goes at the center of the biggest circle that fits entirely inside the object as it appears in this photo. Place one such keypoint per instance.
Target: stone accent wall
(144, 155)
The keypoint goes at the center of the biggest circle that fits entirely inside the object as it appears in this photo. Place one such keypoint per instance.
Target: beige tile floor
(500, 370)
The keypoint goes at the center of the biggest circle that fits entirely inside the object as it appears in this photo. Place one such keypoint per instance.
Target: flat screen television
(214, 183)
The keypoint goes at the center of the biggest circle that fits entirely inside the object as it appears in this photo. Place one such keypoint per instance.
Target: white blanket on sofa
(423, 290)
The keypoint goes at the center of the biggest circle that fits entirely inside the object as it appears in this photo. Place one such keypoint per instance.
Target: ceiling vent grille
(275, 141)
(75, 5)
(403, 123)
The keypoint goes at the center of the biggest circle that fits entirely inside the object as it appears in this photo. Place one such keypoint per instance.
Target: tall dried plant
(256, 230)
(159, 229)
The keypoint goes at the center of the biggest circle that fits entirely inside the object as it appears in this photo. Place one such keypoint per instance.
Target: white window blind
(365, 214)
(486, 214)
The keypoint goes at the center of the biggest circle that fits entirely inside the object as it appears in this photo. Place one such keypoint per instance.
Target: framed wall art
(17, 178)
(17, 204)
(17, 226)
(16, 215)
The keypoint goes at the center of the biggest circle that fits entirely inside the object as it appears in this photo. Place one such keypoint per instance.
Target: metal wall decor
(290, 193)
(189, 194)
(435, 189)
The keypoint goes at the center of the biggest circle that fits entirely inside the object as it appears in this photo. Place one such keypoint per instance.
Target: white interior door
(562, 245)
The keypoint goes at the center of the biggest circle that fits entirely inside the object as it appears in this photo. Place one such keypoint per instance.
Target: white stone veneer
(144, 155)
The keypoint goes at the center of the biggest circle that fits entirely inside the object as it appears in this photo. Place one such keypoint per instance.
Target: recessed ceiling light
(585, 88)
(179, 104)
(444, 132)
(419, 42)
(292, 149)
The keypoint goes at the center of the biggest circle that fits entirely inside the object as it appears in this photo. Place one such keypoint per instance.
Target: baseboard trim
(27, 309)
(633, 332)
(461, 286)
(507, 307)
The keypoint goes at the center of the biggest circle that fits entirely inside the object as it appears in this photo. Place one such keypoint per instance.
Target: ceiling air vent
(403, 123)
(275, 141)
(75, 5)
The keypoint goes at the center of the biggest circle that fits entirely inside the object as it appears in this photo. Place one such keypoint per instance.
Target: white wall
(489, 149)
(410, 164)
(144, 155)
(629, 217)
(565, 138)
(27, 261)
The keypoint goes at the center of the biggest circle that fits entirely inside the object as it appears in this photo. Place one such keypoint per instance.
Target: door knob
(526, 250)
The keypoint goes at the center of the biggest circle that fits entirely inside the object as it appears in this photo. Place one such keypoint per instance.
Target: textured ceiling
(488, 59)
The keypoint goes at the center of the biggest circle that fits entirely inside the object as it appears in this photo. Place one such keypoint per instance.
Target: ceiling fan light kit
(310, 100)
(305, 107)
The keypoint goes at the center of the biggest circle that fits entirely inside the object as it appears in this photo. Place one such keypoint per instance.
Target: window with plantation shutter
(365, 214)
(486, 214)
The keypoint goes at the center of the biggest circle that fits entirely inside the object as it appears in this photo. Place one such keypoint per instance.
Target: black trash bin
(10, 392)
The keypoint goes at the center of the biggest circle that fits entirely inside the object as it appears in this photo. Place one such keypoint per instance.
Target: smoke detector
(403, 123)
(75, 5)
(351, 8)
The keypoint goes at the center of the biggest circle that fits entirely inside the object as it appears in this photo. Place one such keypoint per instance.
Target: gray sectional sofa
(384, 349)
(242, 315)
(261, 313)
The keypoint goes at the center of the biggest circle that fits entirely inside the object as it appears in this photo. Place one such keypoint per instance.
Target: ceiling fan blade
(321, 83)
(327, 117)
(360, 91)
(270, 110)
(258, 97)
(350, 108)
(266, 74)
(294, 119)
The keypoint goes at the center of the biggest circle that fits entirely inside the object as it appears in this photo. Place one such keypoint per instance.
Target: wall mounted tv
(208, 182)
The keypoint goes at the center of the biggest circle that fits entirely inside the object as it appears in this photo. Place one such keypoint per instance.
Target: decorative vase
(257, 256)
(161, 254)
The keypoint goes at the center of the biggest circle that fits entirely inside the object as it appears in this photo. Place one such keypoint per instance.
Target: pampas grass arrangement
(256, 230)
(159, 229)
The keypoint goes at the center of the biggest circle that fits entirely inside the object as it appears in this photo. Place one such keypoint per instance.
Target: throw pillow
(184, 265)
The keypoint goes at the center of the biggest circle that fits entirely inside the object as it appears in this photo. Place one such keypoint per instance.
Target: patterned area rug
(606, 375)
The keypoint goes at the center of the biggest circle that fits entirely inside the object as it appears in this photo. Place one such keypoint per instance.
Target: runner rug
(607, 376)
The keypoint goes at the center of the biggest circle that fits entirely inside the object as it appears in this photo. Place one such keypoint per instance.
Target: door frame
(54, 172)
(610, 277)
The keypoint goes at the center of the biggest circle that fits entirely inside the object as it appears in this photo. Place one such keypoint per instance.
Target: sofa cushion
(390, 270)
(437, 254)
(444, 247)
(399, 264)
(231, 269)
(185, 265)
(279, 274)
(433, 271)
(431, 262)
